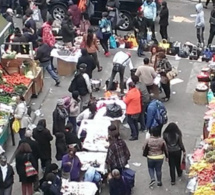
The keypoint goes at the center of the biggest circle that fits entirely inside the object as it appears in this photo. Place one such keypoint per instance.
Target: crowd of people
(143, 104)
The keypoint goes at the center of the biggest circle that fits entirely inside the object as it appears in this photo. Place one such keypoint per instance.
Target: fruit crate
(28, 93)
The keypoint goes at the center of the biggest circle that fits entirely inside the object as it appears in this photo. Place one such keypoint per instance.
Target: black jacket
(9, 178)
(50, 189)
(34, 147)
(68, 33)
(43, 53)
(117, 187)
(23, 49)
(58, 121)
(61, 148)
(141, 26)
(43, 137)
(88, 60)
(21, 159)
(164, 16)
(72, 138)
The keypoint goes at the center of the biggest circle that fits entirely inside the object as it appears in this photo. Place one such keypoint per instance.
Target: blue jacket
(150, 10)
(151, 114)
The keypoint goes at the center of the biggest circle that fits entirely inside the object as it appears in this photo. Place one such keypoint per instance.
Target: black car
(128, 9)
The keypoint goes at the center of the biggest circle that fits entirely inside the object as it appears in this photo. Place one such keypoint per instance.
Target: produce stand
(38, 83)
(66, 61)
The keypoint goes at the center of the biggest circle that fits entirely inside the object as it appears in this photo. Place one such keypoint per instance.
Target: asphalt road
(181, 108)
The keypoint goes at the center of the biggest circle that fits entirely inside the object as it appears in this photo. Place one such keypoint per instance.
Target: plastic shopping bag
(112, 42)
(16, 125)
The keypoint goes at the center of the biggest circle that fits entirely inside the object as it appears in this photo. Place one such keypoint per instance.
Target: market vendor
(43, 54)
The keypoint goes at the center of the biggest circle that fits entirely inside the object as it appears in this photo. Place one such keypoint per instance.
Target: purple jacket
(76, 167)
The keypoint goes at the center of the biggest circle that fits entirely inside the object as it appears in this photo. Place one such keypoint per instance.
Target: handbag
(172, 74)
(112, 42)
(183, 163)
(29, 169)
(16, 125)
(99, 34)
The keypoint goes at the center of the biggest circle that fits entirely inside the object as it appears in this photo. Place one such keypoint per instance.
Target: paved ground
(181, 108)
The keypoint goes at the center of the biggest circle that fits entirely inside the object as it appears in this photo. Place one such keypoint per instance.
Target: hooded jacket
(150, 10)
(200, 20)
(164, 15)
(47, 34)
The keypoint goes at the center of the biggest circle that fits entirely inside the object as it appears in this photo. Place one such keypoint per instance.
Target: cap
(82, 66)
(60, 102)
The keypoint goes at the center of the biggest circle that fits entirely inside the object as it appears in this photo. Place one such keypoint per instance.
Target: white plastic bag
(36, 12)
(157, 79)
(147, 135)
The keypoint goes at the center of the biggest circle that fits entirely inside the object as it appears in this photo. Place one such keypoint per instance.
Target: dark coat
(61, 148)
(164, 16)
(72, 138)
(21, 159)
(88, 60)
(68, 33)
(9, 178)
(50, 189)
(43, 137)
(141, 26)
(23, 49)
(58, 122)
(34, 147)
(117, 187)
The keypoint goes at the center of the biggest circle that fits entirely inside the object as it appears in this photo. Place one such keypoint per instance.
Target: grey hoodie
(200, 20)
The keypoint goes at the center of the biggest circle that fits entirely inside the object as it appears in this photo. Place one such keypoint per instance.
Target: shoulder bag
(29, 169)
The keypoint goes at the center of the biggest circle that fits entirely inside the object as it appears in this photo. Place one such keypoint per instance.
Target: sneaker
(159, 184)
(152, 183)
(172, 183)
(205, 6)
(57, 83)
(107, 54)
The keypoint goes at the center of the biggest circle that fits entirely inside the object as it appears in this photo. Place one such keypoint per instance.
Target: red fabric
(133, 101)
(75, 15)
(47, 35)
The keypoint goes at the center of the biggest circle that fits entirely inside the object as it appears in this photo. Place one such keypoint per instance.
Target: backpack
(73, 85)
(161, 115)
(174, 146)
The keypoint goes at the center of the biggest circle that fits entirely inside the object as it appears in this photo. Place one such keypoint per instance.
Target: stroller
(94, 176)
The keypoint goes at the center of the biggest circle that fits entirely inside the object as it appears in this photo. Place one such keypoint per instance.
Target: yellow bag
(164, 44)
(16, 125)
(133, 40)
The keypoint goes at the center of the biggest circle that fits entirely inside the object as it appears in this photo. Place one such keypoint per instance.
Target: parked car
(128, 9)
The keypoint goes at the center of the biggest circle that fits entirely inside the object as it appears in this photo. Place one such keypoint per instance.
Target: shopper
(28, 33)
(163, 68)
(153, 114)
(24, 155)
(88, 60)
(173, 138)
(120, 61)
(164, 17)
(21, 114)
(61, 147)
(112, 6)
(150, 13)
(133, 109)
(9, 17)
(212, 26)
(200, 24)
(155, 149)
(74, 110)
(147, 75)
(68, 31)
(49, 187)
(105, 29)
(81, 83)
(90, 43)
(43, 136)
(207, 2)
(60, 116)
(118, 154)
(43, 54)
(145, 99)
(117, 184)
(71, 166)
(153, 57)
(6, 176)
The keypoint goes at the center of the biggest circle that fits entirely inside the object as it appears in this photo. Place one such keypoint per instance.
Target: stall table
(66, 65)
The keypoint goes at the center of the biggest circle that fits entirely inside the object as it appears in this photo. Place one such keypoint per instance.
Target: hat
(10, 11)
(60, 102)
(82, 66)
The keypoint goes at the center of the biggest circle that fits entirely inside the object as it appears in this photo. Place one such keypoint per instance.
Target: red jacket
(133, 101)
(47, 35)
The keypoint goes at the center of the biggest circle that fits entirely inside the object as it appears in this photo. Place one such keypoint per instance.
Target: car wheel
(58, 12)
(128, 21)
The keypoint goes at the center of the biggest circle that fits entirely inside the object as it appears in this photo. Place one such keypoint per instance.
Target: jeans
(121, 75)
(200, 34)
(6, 191)
(141, 43)
(104, 42)
(48, 67)
(155, 166)
(150, 24)
(163, 32)
(142, 117)
(166, 88)
(95, 58)
(22, 133)
(175, 163)
(133, 124)
(72, 120)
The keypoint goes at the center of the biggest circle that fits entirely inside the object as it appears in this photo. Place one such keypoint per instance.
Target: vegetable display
(17, 79)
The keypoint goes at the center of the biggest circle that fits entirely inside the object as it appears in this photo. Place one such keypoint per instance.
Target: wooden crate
(65, 68)
(12, 66)
(28, 93)
(38, 83)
